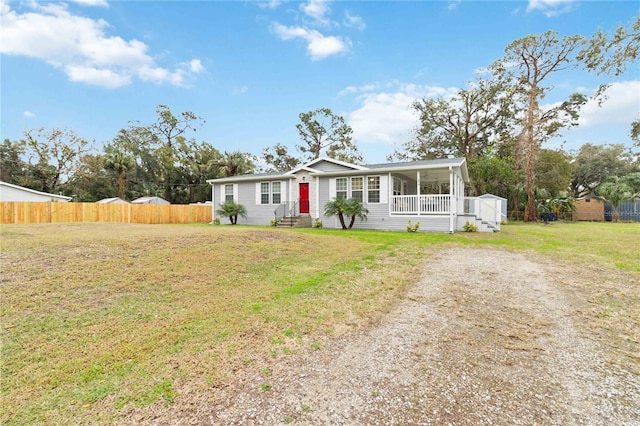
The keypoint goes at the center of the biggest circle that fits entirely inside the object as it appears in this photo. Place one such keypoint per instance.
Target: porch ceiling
(426, 176)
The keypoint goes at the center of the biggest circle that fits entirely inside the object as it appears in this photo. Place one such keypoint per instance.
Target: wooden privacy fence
(21, 212)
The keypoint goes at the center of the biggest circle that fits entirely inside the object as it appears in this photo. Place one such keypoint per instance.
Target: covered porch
(435, 191)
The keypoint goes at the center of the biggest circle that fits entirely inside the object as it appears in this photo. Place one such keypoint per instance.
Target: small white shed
(115, 200)
(10, 192)
(503, 203)
(150, 200)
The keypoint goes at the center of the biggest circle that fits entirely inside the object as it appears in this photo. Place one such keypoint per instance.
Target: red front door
(304, 198)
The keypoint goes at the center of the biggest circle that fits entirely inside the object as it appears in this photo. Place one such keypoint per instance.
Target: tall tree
(467, 125)
(530, 61)
(279, 159)
(322, 130)
(611, 53)
(58, 153)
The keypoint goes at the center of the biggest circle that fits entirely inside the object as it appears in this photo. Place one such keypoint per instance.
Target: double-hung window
(264, 192)
(341, 188)
(269, 193)
(228, 192)
(373, 189)
(357, 187)
(275, 193)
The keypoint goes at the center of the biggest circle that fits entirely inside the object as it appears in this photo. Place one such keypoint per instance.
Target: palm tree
(615, 191)
(234, 163)
(232, 210)
(342, 207)
(120, 162)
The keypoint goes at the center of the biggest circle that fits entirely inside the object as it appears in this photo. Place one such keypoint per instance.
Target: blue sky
(249, 68)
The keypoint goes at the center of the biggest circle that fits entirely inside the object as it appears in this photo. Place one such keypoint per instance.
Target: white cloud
(195, 66)
(354, 21)
(240, 90)
(80, 47)
(621, 107)
(101, 3)
(386, 116)
(28, 114)
(271, 4)
(552, 8)
(453, 5)
(318, 45)
(317, 9)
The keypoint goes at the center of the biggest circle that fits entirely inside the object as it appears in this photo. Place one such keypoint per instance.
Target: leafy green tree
(235, 163)
(57, 152)
(611, 53)
(633, 180)
(493, 174)
(279, 159)
(635, 132)
(343, 207)
(232, 210)
(323, 131)
(92, 181)
(593, 164)
(12, 167)
(615, 191)
(467, 125)
(554, 171)
(530, 61)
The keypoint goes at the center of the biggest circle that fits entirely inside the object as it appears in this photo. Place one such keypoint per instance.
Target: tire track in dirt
(485, 338)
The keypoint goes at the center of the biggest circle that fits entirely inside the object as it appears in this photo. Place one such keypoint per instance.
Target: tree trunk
(529, 149)
(341, 217)
(353, 220)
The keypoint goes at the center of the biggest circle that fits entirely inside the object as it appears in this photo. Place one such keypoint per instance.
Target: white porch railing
(420, 204)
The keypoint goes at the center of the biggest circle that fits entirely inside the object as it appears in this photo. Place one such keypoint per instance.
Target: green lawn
(99, 320)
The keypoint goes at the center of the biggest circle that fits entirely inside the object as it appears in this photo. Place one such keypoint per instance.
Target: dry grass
(100, 320)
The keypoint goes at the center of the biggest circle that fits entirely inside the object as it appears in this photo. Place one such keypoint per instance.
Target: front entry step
(295, 222)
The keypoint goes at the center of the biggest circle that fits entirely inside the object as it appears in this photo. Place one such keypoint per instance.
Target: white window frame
(234, 192)
(361, 190)
(340, 190)
(269, 196)
(378, 190)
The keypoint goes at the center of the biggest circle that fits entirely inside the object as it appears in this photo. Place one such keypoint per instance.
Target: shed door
(304, 198)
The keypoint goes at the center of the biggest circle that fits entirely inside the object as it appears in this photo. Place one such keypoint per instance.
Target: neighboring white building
(115, 200)
(150, 200)
(10, 192)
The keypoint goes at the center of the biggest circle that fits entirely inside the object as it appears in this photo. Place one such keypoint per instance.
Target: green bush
(413, 227)
(317, 223)
(470, 227)
(273, 222)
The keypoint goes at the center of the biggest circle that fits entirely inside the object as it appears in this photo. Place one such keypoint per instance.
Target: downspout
(213, 203)
(451, 201)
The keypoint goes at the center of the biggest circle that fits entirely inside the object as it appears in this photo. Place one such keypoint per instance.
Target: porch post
(418, 203)
(451, 201)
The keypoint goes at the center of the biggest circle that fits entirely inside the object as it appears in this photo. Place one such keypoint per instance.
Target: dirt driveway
(487, 337)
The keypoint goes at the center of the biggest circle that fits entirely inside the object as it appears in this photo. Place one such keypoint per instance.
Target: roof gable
(323, 164)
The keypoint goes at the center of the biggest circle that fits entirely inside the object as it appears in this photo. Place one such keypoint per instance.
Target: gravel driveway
(487, 337)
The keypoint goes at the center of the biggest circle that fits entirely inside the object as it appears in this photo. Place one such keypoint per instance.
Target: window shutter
(235, 192)
(222, 193)
(384, 189)
(258, 193)
(332, 188)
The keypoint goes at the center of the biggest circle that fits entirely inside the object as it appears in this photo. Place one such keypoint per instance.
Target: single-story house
(10, 192)
(430, 192)
(115, 200)
(150, 200)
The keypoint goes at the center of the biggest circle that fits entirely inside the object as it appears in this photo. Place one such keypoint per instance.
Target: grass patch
(101, 319)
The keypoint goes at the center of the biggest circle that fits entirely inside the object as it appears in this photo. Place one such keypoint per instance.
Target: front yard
(105, 321)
